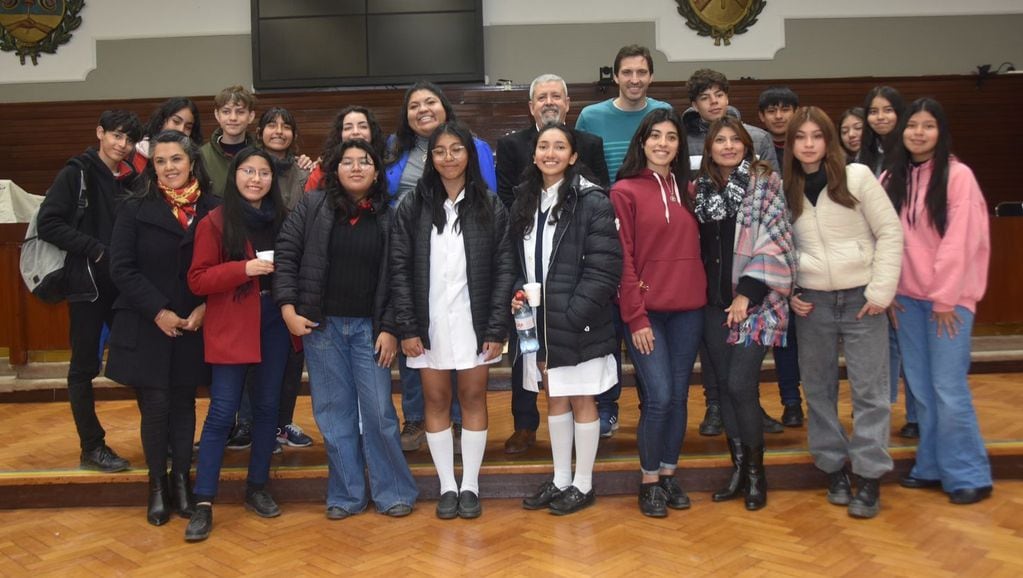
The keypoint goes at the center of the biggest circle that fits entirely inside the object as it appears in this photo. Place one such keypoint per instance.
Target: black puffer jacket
(301, 260)
(583, 276)
(88, 271)
(489, 269)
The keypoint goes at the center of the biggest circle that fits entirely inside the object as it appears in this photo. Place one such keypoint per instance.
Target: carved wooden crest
(720, 19)
(31, 27)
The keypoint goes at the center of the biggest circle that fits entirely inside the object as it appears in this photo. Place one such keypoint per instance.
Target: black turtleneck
(814, 184)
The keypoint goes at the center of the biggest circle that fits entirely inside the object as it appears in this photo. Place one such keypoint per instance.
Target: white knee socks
(443, 453)
(561, 430)
(587, 436)
(474, 443)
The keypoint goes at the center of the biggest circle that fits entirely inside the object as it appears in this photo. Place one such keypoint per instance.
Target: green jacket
(217, 161)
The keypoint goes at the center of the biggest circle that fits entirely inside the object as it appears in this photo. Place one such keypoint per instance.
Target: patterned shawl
(764, 250)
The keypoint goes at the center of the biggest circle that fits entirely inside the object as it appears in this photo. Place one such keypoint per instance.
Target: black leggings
(737, 368)
(168, 420)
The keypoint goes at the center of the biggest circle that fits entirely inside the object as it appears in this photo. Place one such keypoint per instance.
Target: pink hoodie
(949, 270)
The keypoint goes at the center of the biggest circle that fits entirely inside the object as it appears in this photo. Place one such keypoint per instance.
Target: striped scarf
(182, 201)
(764, 250)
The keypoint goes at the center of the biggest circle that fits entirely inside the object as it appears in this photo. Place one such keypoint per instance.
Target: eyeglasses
(456, 151)
(250, 172)
(363, 163)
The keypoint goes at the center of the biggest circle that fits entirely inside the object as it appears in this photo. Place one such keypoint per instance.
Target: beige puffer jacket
(841, 248)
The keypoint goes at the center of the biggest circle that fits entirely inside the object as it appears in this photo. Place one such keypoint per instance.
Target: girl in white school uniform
(563, 231)
(451, 280)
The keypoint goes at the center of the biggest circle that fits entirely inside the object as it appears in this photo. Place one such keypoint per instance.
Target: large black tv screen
(327, 43)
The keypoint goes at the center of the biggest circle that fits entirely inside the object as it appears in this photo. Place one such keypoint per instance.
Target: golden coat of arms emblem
(32, 27)
(720, 19)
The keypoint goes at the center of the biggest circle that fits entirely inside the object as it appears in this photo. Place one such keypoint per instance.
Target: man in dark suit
(548, 102)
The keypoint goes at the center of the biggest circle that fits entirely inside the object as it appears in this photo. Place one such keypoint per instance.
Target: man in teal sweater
(615, 120)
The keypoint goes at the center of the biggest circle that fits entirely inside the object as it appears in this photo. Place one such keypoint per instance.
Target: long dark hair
(476, 203)
(337, 196)
(635, 158)
(709, 168)
(833, 163)
(869, 142)
(896, 180)
(527, 199)
(235, 231)
(147, 185)
(334, 138)
(287, 118)
(405, 137)
(167, 110)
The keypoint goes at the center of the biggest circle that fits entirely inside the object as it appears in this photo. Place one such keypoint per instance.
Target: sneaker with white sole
(291, 435)
(608, 425)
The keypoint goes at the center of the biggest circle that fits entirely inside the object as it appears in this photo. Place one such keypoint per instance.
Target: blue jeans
(950, 448)
(664, 379)
(413, 408)
(895, 369)
(225, 395)
(865, 343)
(344, 380)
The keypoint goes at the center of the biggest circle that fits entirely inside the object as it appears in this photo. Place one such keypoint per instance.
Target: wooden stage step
(45, 379)
(39, 468)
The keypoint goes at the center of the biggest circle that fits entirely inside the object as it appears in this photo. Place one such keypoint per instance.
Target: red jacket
(232, 327)
(661, 266)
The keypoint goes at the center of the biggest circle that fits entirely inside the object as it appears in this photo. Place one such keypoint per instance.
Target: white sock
(587, 436)
(474, 443)
(442, 451)
(560, 427)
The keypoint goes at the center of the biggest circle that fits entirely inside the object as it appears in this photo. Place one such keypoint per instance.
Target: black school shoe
(839, 488)
(867, 501)
(200, 524)
(572, 500)
(262, 503)
(969, 496)
(545, 494)
(469, 506)
(676, 496)
(653, 502)
(447, 507)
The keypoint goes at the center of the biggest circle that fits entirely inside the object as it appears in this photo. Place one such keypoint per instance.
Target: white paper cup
(532, 291)
(265, 256)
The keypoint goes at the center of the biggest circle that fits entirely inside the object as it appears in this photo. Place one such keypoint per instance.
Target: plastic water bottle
(525, 326)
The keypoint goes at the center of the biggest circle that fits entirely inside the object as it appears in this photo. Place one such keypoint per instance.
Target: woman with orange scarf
(156, 341)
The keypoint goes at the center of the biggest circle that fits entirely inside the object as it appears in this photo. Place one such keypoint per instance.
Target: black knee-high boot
(756, 487)
(737, 482)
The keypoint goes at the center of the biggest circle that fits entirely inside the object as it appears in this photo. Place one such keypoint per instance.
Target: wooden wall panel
(987, 122)
(987, 126)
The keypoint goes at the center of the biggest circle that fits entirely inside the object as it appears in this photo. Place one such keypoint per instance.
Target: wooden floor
(918, 533)
(39, 436)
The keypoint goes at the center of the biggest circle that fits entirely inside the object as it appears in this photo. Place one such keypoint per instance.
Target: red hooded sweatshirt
(661, 267)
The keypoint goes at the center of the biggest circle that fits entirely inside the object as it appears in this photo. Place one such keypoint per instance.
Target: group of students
(229, 258)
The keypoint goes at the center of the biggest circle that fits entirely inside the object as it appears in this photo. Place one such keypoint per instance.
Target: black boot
(181, 492)
(756, 487)
(159, 501)
(736, 483)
